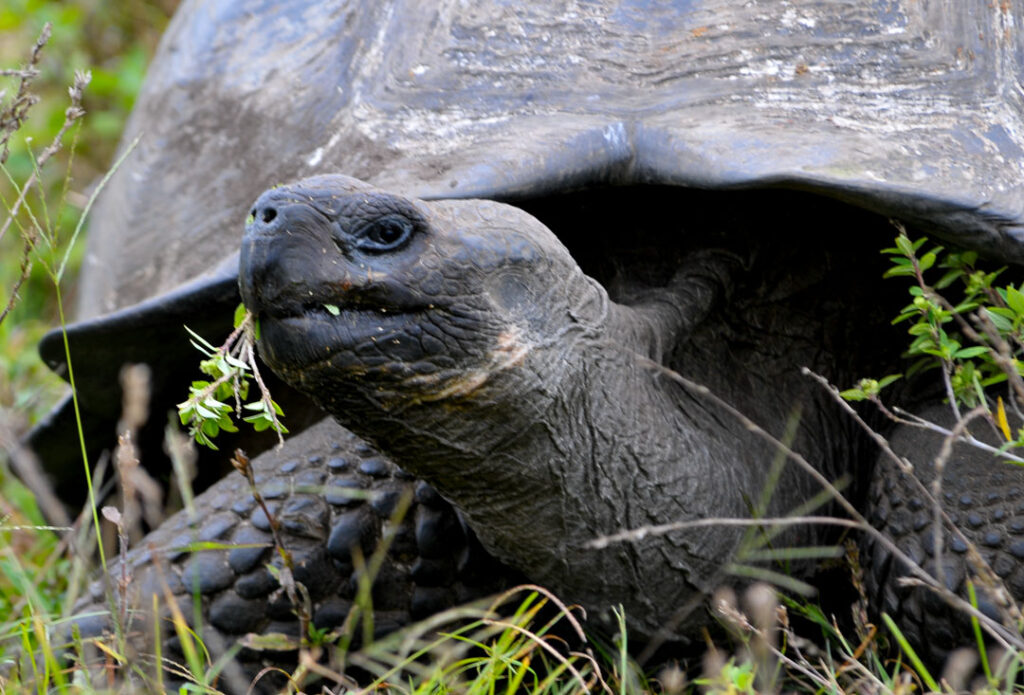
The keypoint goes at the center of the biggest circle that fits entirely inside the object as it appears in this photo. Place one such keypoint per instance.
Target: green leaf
(224, 392)
(922, 344)
(216, 406)
(964, 307)
(204, 413)
(236, 363)
(886, 380)
(994, 379)
(202, 342)
(969, 352)
(898, 271)
(979, 391)
(904, 245)
(240, 312)
(204, 440)
(948, 279)
(927, 261)
(1001, 322)
(332, 309)
(1015, 300)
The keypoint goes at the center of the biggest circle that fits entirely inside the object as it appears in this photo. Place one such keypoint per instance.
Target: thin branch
(26, 269)
(908, 418)
(642, 532)
(72, 114)
(264, 391)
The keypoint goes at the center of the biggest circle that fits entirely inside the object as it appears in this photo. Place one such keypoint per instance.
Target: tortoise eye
(388, 233)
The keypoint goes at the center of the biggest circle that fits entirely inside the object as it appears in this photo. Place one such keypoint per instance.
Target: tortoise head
(413, 300)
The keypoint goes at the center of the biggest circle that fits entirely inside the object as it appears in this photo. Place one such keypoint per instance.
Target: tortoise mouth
(360, 336)
(343, 327)
(332, 309)
(334, 324)
(309, 296)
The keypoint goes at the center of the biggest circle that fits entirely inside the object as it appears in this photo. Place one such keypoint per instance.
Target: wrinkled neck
(575, 442)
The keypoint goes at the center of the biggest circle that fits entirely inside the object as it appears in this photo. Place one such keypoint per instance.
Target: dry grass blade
(642, 532)
(14, 114)
(31, 234)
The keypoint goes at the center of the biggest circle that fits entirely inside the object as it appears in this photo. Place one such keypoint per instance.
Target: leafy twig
(230, 366)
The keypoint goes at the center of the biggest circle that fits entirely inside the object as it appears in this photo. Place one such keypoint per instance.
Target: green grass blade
(915, 660)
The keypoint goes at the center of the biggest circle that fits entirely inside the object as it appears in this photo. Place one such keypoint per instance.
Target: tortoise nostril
(268, 215)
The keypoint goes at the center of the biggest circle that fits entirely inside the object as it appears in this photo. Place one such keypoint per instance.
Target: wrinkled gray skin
(473, 350)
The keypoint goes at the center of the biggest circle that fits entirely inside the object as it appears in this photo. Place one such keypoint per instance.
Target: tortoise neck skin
(463, 340)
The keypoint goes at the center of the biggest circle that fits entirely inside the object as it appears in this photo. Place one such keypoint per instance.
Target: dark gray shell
(908, 108)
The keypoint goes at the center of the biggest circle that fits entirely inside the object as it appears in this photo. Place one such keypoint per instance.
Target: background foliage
(113, 39)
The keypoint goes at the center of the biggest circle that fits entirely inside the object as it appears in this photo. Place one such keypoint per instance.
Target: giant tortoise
(565, 204)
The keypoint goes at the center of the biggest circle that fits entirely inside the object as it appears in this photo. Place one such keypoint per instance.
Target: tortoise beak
(283, 239)
(287, 228)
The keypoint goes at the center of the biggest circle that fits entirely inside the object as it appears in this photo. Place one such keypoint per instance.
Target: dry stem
(11, 119)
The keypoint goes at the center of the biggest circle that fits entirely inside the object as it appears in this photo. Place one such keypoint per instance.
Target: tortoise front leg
(703, 282)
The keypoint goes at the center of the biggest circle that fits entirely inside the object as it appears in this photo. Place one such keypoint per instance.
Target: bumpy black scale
(993, 523)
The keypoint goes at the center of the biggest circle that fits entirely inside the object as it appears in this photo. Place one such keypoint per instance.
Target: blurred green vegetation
(114, 40)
